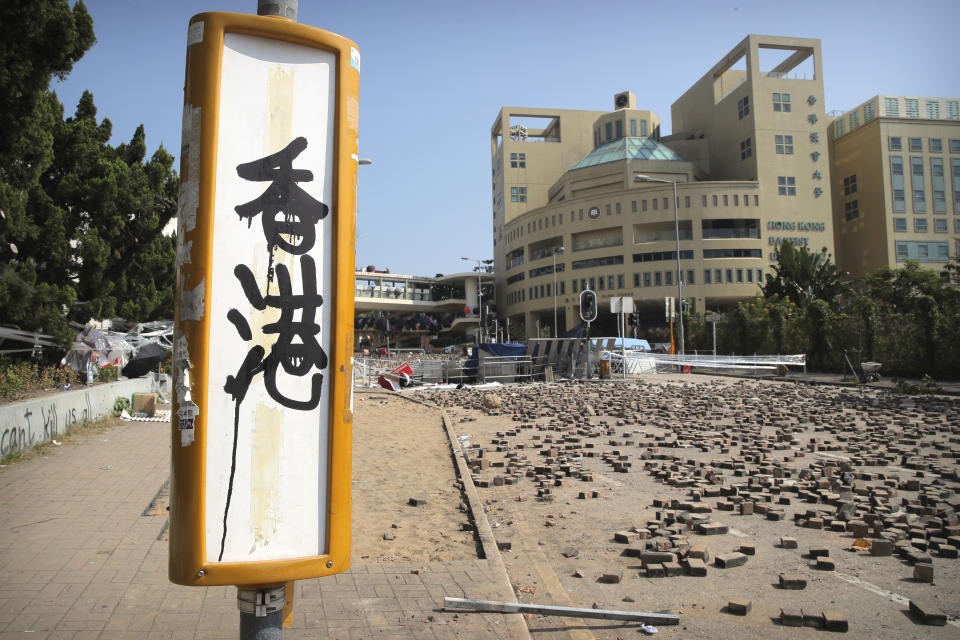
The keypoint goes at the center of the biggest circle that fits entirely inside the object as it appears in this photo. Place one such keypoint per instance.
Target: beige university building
(592, 192)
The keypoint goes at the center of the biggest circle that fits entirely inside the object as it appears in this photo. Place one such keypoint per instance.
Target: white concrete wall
(24, 424)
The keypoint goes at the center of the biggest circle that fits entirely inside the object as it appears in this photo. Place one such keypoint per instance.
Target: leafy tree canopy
(802, 276)
(81, 229)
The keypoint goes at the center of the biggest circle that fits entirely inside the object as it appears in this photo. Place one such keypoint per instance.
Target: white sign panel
(268, 383)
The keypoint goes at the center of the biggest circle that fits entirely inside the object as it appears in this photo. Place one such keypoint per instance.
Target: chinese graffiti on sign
(296, 348)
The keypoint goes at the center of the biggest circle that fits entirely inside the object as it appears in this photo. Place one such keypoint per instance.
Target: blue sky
(435, 74)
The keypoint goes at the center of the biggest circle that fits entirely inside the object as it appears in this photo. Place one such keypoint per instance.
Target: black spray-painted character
(296, 358)
(296, 233)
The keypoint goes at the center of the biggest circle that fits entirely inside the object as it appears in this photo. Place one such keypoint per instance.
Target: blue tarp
(501, 349)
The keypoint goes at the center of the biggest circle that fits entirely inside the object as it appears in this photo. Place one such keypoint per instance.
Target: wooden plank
(494, 606)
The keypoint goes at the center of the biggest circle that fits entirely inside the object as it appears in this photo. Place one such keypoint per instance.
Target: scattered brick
(926, 613)
(730, 560)
(835, 621)
(739, 606)
(792, 581)
(791, 617)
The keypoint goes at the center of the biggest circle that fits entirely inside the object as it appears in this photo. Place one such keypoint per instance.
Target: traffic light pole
(588, 351)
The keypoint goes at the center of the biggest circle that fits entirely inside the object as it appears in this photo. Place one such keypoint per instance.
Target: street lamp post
(481, 331)
(676, 228)
(556, 250)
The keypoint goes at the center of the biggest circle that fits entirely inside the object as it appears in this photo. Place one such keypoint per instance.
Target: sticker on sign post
(260, 490)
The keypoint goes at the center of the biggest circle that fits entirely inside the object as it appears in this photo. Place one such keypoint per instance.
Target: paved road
(81, 557)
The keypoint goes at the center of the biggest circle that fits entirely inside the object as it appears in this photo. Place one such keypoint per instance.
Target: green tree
(81, 222)
(802, 276)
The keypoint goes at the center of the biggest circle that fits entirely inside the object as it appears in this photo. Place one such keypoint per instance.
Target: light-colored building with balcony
(585, 200)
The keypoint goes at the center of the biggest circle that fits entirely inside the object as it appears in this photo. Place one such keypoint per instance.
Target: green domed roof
(627, 149)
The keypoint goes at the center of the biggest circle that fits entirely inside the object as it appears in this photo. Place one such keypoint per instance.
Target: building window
(656, 204)
(956, 226)
(955, 175)
(633, 206)
(940, 225)
(786, 185)
(869, 112)
(749, 275)
(919, 225)
(897, 184)
(736, 200)
(756, 201)
(636, 280)
(620, 284)
(643, 205)
(726, 200)
(850, 185)
(617, 208)
(665, 201)
(892, 107)
(939, 185)
(518, 194)
(899, 224)
(854, 120)
(703, 201)
(851, 209)
(895, 143)
(743, 107)
(668, 278)
(953, 109)
(784, 144)
(608, 129)
(643, 128)
(781, 102)
(706, 276)
(739, 275)
(657, 279)
(917, 185)
(759, 275)
(686, 202)
(746, 200)
(619, 125)
(935, 145)
(840, 127)
(954, 145)
(518, 161)
(729, 275)
(746, 149)
(901, 251)
(690, 277)
(633, 128)
(913, 107)
(607, 207)
(646, 279)
(933, 109)
(716, 201)
(916, 144)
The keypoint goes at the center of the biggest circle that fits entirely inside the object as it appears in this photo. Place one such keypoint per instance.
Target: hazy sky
(434, 75)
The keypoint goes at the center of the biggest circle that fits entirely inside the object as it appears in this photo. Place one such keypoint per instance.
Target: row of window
(655, 204)
(915, 145)
(614, 131)
(918, 185)
(781, 103)
(651, 256)
(923, 251)
(940, 225)
(640, 280)
(892, 107)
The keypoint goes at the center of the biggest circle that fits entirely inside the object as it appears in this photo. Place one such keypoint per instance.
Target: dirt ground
(561, 546)
(401, 452)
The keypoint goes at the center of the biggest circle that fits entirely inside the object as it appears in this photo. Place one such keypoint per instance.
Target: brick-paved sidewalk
(79, 559)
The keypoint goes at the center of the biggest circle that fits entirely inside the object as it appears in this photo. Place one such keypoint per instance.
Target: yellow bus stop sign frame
(261, 427)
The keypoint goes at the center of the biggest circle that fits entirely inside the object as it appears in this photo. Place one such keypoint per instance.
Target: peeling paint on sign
(190, 187)
(191, 302)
